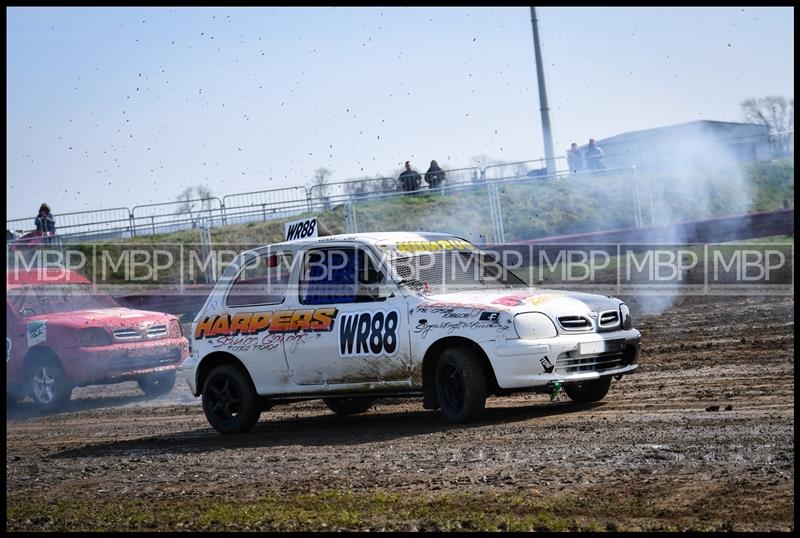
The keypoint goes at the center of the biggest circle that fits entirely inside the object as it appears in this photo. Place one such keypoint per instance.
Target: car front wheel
(157, 384)
(230, 401)
(348, 406)
(460, 385)
(48, 385)
(588, 391)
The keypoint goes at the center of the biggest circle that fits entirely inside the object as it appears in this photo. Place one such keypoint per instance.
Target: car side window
(263, 281)
(339, 275)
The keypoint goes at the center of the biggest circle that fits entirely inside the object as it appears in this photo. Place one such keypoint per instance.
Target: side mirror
(386, 291)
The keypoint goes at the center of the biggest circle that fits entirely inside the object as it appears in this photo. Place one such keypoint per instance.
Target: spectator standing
(434, 177)
(575, 159)
(594, 156)
(409, 179)
(44, 220)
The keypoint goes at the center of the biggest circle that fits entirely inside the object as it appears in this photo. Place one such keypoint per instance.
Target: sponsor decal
(489, 316)
(280, 321)
(300, 229)
(542, 298)
(518, 299)
(368, 333)
(267, 342)
(449, 312)
(433, 246)
(547, 365)
(450, 327)
(37, 332)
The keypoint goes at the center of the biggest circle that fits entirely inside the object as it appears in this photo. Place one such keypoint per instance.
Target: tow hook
(554, 392)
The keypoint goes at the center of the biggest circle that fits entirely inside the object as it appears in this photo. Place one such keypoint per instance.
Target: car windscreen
(429, 273)
(50, 299)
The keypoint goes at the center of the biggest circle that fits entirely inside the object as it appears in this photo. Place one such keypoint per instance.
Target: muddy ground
(701, 438)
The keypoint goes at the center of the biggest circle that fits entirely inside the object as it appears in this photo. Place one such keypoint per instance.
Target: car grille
(572, 362)
(126, 334)
(571, 365)
(574, 323)
(161, 358)
(608, 319)
(156, 331)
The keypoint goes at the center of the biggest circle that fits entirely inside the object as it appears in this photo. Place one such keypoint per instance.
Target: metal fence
(284, 203)
(331, 193)
(534, 168)
(173, 216)
(97, 224)
(265, 205)
(512, 208)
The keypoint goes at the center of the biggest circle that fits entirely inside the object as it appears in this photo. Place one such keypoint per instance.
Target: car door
(367, 340)
(251, 325)
(16, 347)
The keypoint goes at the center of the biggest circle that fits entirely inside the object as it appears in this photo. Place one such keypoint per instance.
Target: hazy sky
(117, 107)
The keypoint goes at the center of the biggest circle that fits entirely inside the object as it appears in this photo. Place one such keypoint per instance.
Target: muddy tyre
(348, 406)
(157, 384)
(230, 401)
(460, 385)
(48, 384)
(588, 391)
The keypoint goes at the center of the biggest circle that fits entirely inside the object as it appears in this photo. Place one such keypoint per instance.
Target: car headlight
(625, 316)
(533, 325)
(94, 337)
(177, 329)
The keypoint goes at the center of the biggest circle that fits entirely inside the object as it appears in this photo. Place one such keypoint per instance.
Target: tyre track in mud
(651, 439)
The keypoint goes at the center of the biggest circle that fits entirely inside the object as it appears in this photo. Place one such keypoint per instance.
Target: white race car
(348, 318)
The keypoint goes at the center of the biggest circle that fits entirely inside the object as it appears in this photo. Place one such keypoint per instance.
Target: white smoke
(695, 178)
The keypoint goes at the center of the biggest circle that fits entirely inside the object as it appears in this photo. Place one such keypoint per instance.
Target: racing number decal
(301, 229)
(369, 333)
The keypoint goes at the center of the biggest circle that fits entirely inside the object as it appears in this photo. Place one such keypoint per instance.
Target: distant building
(696, 140)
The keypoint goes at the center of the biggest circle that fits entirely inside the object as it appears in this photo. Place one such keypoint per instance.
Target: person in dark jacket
(44, 220)
(593, 154)
(434, 177)
(410, 179)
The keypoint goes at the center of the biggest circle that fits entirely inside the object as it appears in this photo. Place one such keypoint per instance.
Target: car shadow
(321, 430)
(26, 409)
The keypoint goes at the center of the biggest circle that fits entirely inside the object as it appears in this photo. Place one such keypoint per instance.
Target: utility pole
(548, 133)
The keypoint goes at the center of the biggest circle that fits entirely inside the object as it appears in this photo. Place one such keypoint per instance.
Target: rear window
(264, 280)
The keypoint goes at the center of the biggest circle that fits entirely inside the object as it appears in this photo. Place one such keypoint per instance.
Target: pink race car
(62, 334)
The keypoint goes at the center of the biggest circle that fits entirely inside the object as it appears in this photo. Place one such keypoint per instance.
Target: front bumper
(521, 363)
(189, 370)
(119, 362)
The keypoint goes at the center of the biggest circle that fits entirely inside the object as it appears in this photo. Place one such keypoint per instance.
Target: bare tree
(321, 176)
(478, 161)
(777, 113)
(203, 193)
(188, 199)
(184, 198)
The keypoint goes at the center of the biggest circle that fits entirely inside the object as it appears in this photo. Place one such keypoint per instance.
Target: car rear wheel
(460, 385)
(157, 384)
(48, 385)
(230, 401)
(588, 391)
(348, 406)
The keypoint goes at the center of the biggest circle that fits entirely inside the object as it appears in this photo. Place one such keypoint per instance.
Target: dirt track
(649, 456)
